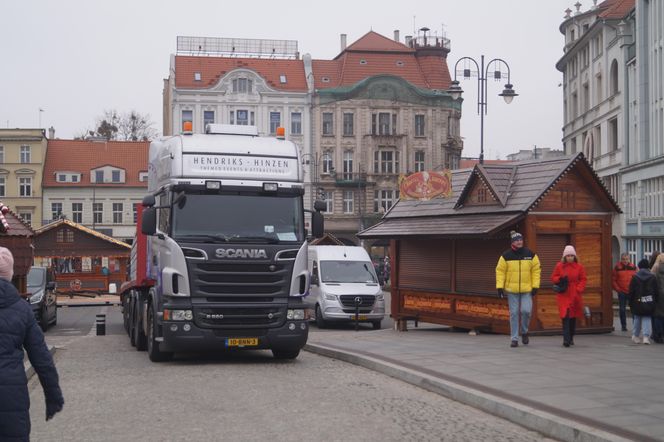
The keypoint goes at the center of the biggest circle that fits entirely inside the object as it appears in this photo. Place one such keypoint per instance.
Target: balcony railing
(350, 179)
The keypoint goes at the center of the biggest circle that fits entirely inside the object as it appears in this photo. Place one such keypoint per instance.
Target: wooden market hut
(17, 236)
(444, 251)
(82, 259)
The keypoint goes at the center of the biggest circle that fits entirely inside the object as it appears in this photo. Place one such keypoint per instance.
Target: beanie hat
(6, 264)
(644, 264)
(569, 250)
(515, 236)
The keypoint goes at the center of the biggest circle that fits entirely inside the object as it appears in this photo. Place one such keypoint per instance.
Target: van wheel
(320, 322)
(376, 325)
(154, 353)
(285, 354)
(43, 319)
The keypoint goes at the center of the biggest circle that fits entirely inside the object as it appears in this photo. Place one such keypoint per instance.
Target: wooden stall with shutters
(444, 251)
(83, 260)
(17, 236)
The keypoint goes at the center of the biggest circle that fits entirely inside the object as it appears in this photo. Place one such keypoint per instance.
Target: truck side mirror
(149, 223)
(148, 201)
(50, 285)
(317, 225)
(320, 206)
(314, 279)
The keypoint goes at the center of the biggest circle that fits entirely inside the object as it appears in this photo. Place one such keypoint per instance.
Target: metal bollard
(101, 324)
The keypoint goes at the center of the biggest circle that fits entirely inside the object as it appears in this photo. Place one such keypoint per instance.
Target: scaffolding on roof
(238, 47)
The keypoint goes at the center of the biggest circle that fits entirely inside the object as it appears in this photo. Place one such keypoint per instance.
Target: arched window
(614, 77)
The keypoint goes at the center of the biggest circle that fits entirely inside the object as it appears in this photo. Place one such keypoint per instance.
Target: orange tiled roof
(213, 68)
(616, 9)
(84, 155)
(374, 54)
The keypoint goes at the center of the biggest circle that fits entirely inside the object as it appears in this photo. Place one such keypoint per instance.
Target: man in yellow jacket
(518, 276)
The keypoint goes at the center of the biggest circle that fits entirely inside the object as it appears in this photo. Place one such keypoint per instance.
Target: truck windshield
(36, 277)
(347, 271)
(238, 218)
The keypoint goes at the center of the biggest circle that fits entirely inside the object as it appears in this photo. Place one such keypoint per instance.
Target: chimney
(409, 39)
(396, 35)
(343, 41)
(51, 133)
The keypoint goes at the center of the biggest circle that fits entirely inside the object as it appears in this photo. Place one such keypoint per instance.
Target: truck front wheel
(285, 353)
(154, 353)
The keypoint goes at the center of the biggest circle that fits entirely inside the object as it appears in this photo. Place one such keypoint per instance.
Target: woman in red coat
(570, 303)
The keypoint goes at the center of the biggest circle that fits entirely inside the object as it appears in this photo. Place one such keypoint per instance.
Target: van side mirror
(317, 225)
(149, 223)
(50, 285)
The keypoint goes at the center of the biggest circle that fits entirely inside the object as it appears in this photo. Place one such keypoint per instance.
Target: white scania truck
(220, 258)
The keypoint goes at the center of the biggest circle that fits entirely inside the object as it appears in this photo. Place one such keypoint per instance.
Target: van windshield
(36, 277)
(347, 271)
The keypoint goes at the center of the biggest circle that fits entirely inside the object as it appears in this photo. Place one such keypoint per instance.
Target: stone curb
(545, 423)
(29, 369)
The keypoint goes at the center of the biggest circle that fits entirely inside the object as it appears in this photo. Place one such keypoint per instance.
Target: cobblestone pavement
(113, 392)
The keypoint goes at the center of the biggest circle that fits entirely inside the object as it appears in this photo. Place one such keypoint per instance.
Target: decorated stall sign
(425, 185)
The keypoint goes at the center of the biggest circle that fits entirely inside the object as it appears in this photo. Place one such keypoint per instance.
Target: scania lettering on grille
(241, 253)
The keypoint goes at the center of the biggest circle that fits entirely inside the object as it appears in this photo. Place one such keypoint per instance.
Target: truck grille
(220, 280)
(349, 300)
(240, 317)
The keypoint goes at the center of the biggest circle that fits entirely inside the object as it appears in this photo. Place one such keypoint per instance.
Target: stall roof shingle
(478, 224)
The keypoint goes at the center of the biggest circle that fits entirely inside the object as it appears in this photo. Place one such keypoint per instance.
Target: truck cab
(343, 283)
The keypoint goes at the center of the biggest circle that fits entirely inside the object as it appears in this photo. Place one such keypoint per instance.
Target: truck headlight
(329, 297)
(37, 297)
(295, 315)
(178, 315)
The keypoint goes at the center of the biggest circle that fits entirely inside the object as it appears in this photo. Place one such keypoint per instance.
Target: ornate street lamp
(482, 73)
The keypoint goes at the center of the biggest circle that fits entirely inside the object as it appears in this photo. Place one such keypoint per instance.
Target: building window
(631, 249)
(77, 212)
(328, 123)
(348, 124)
(419, 161)
(242, 85)
(613, 77)
(142, 177)
(419, 125)
(25, 186)
(60, 236)
(97, 213)
(631, 201)
(349, 198)
(386, 124)
(384, 199)
(244, 117)
(613, 134)
(2, 154)
(135, 208)
(56, 210)
(328, 198)
(117, 213)
(25, 154)
(27, 217)
(574, 112)
(650, 246)
(187, 116)
(74, 178)
(2, 186)
(386, 161)
(69, 236)
(296, 123)
(327, 162)
(115, 176)
(586, 96)
(348, 165)
(99, 176)
(653, 198)
(208, 118)
(275, 122)
(598, 88)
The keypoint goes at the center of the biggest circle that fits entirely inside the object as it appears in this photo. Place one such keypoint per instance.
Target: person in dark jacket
(19, 330)
(658, 318)
(642, 298)
(620, 279)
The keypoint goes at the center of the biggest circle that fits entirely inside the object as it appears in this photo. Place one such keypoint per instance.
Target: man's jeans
(622, 309)
(519, 303)
(641, 321)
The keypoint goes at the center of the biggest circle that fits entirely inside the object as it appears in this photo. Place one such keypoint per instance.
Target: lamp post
(482, 73)
(313, 161)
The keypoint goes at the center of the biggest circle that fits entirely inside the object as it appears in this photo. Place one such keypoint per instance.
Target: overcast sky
(76, 58)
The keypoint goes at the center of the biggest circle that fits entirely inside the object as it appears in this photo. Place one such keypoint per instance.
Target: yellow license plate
(241, 342)
(359, 317)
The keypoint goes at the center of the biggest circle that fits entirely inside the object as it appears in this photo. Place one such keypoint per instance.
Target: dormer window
(143, 177)
(282, 79)
(99, 176)
(242, 85)
(115, 176)
(62, 178)
(325, 80)
(197, 76)
(363, 61)
(67, 177)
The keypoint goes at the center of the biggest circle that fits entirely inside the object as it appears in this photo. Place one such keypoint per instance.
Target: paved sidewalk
(603, 388)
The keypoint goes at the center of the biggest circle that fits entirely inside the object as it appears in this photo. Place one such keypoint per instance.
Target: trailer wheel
(125, 313)
(376, 324)
(285, 353)
(154, 353)
(139, 335)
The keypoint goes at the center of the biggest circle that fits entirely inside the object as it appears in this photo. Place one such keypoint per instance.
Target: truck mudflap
(180, 336)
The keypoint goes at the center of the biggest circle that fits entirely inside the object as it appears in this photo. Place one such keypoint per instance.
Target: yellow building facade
(22, 154)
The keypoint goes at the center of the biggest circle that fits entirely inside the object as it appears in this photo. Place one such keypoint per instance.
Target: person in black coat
(642, 301)
(19, 330)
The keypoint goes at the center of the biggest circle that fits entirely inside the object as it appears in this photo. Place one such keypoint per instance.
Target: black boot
(572, 330)
(566, 332)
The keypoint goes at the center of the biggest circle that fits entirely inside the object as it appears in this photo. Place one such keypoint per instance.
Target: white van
(343, 277)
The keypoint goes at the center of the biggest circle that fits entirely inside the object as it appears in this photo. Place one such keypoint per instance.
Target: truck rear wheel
(154, 353)
(140, 340)
(285, 353)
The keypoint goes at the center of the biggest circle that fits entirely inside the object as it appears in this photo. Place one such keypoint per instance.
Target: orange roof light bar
(281, 133)
(187, 127)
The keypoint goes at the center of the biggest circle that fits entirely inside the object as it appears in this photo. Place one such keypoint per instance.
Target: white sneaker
(637, 340)
(646, 340)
